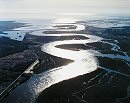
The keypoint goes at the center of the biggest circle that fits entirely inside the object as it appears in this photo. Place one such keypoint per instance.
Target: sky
(65, 6)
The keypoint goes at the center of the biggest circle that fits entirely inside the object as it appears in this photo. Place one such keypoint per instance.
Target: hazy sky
(65, 6)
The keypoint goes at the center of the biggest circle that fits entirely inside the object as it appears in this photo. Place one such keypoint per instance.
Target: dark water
(102, 76)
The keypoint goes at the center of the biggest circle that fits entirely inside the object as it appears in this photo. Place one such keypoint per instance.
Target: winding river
(84, 62)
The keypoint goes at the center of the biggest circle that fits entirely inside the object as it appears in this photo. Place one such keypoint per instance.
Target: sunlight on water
(83, 62)
(65, 27)
(77, 68)
(65, 20)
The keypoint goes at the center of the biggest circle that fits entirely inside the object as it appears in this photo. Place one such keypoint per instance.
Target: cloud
(54, 6)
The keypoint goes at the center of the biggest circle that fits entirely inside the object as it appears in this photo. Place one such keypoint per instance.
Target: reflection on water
(45, 80)
(83, 62)
(65, 20)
